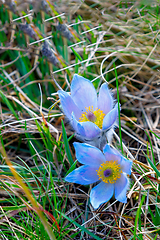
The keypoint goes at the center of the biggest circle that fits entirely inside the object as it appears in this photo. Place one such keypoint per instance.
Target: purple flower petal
(110, 118)
(76, 125)
(86, 129)
(83, 175)
(83, 93)
(89, 155)
(101, 194)
(121, 188)
(107, 148)
(111, 154)
(126, 165)
(105, 99)
(68, 105)
(91, 129)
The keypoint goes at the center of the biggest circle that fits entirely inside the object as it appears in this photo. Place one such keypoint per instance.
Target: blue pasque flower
(89, 116)
(110, 167)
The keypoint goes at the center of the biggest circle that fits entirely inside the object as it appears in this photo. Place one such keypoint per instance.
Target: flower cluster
(93, 118)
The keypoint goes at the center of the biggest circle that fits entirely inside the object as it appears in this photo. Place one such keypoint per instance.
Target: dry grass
(109, 32)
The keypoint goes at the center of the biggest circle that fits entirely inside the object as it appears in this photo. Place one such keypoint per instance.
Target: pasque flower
(109, 167)
(88, 115)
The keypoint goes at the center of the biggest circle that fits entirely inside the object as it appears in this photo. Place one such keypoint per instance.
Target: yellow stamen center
(96, 116)
(109, 171)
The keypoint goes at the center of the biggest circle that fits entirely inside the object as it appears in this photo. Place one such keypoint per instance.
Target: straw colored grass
(108, 37)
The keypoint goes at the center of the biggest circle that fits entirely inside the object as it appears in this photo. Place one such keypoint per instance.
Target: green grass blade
(155, 134)
(72, 168)
(152, 165)
(8, 104)
(68, 152)
(151, 148)
(76, 54)
(138, 215)
(81, 227)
